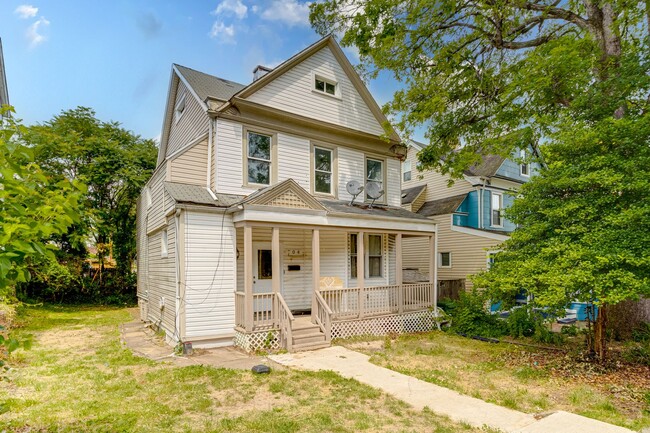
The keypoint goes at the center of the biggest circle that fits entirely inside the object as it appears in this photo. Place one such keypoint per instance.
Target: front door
(262, 274)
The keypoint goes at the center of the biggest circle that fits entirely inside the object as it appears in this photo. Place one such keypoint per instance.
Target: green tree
(114, 164)
(33, 206)
(489, 77)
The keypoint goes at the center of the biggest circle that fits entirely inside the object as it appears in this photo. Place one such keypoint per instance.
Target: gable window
(258, 149)
(496, 209)
(323, 170)
(374, 173)
(406, 171)
(444, 260)
(324, 85)
(163, 243)
(374, 259)
(524, 167)
(179, 109)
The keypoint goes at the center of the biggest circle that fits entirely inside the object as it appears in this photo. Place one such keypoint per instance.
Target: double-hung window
(497, 207)
(258, 149)
(406, 171)
(323, 170)
(374, 173)
(524, 167)
(374, 259)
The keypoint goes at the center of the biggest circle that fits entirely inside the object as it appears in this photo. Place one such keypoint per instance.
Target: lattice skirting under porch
(262, 340)
(419, 321)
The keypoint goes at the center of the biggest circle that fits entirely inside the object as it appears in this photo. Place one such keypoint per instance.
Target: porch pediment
(286, 194)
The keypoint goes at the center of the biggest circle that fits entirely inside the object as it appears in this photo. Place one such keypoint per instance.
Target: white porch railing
(354, 303)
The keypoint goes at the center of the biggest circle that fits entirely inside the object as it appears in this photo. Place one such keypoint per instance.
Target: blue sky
(115, 56)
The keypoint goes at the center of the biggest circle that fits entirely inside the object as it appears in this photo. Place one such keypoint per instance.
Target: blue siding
(511, 169)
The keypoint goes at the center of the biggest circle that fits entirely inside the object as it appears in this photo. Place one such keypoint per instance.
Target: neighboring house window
(525, 166)
(374, 259)
(324, 85)
(323, 170)
(259, 158)
(406, 170)
(444, 260)
(163, 244)
(180, 108)
(374, 172)
(497, 207)
(491, 255)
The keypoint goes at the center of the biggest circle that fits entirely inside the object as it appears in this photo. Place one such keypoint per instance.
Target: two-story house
(254, 229)
(469, 213)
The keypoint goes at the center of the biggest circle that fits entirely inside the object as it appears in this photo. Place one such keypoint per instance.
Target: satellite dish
(374, 191)
(354, 188)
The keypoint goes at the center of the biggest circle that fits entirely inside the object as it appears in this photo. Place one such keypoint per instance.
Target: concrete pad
(565, 422)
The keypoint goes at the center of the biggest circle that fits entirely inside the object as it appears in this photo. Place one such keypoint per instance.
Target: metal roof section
(442, 206)
(410, 194)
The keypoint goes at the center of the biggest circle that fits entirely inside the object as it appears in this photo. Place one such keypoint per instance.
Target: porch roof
(343, 207)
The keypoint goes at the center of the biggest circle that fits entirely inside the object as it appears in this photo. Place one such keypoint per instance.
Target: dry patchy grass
(79, 377)
(525, 379)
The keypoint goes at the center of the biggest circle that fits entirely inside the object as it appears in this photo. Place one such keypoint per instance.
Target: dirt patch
(81, 341)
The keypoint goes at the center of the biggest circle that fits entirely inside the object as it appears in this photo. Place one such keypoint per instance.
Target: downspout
(177, 322)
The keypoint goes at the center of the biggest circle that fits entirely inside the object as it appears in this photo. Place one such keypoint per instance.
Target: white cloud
(223, 33)
(231, 7)
(33, 32)
(290, 12)
(26, 11)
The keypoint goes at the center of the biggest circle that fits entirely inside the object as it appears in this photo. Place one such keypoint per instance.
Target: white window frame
(405, 164)
(271, 161)
(179, 109)
(440, 265)
(164, 243)
(382, 199)
(326, 81)
(147, 197)
(524, 166)
(493, 195)
(366, 253)
(332, 173)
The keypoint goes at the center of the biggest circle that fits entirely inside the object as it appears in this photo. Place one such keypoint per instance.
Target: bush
(521, 323)
(470, 317)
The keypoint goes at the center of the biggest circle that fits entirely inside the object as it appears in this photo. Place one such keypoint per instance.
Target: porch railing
(323, 316)
(269, 311)
(354, 303)
(285, 322)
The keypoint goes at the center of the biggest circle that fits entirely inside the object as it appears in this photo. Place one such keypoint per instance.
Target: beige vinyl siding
(192, 124)
(191, 165)
(419, 201)
(210, 275)
(468, 252)
(437, 187)
(393, 185)
(292, 92)
(141, 246)
(228, 154)
(162, 279)
(294, 159)
(159, 203)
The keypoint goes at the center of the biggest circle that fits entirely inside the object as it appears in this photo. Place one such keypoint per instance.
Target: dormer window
(524, 167)
(324, 85)
(180, 108)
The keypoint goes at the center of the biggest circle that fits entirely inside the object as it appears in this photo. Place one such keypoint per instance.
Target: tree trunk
(600, 334)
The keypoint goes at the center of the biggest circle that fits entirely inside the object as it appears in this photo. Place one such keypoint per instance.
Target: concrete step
(309, 338)
(309, 346)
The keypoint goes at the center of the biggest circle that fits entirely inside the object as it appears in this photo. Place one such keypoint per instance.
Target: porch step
(309, 346)
(306, 335)
(315, 337)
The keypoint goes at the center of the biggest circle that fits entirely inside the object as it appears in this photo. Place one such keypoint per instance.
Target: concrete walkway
(440, 400)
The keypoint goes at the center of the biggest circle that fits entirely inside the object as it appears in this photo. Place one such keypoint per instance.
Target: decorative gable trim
(287, 194)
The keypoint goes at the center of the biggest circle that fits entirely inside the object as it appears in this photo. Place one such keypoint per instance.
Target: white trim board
(480, 233)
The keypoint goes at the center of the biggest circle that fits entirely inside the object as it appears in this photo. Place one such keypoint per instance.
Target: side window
(163, 244)
(406, 171)
(323, 170)
(258, 155)
(497, 207)
(524, 167)
(374, 173)
(444, 260)
(179, 109)
(327, 86)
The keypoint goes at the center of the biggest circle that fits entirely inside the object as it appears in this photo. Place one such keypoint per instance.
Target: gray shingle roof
(337, 206)
(410, 194)
(184, 193)
(488, 166)
(208, 85)
(442, 206)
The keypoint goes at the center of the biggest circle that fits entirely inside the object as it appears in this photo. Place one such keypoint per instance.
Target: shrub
(470, 317)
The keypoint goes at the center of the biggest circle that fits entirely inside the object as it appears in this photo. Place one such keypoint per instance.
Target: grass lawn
(525, 379)
(78, 377)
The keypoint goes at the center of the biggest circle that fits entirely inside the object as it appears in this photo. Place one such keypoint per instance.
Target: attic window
(180, 108)
(524, 167)
(324, 85)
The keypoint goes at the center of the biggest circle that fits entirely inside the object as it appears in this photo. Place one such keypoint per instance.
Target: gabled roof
(488, 166)
(287, 193)
(206, 85)
(442, 206)
(410, 194)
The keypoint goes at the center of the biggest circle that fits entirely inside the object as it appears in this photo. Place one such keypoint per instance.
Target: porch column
(398, 273)
(315, 269)
(361, 271)
(276, 272)
(248, 277)
(433, 267)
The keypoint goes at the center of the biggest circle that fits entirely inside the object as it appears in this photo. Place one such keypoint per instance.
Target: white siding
(191, 166)
(292, 92)
(141, 246)
(393, 184)
(228, 154)
(156, 212)
(333, 254)
(294, 159)
(162, 280)
(210, 275)
(351, 167)
(191, 125)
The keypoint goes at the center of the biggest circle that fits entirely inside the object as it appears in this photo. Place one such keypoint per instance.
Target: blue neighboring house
(470, 213)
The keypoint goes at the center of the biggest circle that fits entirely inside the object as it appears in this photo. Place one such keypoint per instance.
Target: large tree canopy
(488, 76)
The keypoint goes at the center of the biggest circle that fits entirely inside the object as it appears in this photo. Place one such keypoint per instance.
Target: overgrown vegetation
(79, 377)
